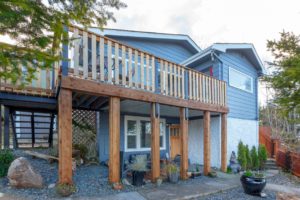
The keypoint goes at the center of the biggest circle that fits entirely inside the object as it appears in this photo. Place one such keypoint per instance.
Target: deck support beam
(114, 140)
(224, 142)
(206, 141)
(155, 147)
(65, 136)
(184, 142)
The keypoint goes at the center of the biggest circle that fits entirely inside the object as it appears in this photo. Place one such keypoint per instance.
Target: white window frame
(138, 119)
(243, 74)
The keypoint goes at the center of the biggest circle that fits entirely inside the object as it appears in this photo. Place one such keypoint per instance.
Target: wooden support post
(114, 140)
(206, 121)
(224, 142)
(6, 127)
(65, 136)
(184, 142)
(155, 149)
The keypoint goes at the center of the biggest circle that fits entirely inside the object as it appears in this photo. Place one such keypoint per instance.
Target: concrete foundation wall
(238, 129)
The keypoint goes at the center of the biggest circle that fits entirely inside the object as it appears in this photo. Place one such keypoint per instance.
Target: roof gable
(244, 48)
(182, 39)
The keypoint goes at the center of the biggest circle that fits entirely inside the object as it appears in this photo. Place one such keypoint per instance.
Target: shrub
(248, 157)
(6, 157)
(242, 155)
(65, 189)
(172, 168)
(254, 157)
(262, 156)
(248, 173)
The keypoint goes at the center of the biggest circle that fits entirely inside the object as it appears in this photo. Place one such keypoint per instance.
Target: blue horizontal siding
(167, 50)
(242, 104)
(103, 136)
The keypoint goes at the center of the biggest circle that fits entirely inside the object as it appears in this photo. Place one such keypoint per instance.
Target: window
(240, 80)
(138, 133)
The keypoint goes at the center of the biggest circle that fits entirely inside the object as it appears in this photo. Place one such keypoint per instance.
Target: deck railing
(102, 59)
(43, 84)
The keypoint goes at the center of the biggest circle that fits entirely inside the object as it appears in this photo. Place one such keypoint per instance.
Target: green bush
(6, 157)
(82, 149)
(248, 157)
(242, 155)
(65, 190)
(254, 157)
(262, 156)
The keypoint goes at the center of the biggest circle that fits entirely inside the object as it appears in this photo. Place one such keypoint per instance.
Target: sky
(211, 21)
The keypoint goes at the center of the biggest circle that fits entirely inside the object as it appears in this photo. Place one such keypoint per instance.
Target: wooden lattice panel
(84, 126)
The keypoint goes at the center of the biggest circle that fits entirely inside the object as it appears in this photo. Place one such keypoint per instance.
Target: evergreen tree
(262, 156)
(242, 155)
(38, 28)
(286, 72)
(254, 157)
(248, 158)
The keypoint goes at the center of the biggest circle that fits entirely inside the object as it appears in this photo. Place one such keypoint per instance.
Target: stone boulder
(22, 175)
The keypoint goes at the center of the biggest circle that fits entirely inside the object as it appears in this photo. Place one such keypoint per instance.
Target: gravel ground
(92, 181)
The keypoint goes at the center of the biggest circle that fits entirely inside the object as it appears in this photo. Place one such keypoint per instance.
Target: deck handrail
(103, 59)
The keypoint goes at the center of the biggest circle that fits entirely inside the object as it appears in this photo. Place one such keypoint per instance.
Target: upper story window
(240, 80)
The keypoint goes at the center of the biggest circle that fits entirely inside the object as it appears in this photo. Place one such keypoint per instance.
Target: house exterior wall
(167, 50)
(195, 145)
(242, 104)
(103, 136)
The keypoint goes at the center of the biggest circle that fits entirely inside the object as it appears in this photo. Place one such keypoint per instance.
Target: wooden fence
(286, 159)
(105, 60)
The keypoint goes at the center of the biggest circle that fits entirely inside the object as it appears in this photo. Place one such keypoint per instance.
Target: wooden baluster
(142, 70)
(136, 74)
(167, 77)
(76, 52)
(190, 85)
(102, 59)
(162, 78)
(85, 55)
(171, 79)
(130, 67)
(200, 87)
(175, 80)
(124, 74)
(183, 83)
(109, 62)
(117, 63)
(197, 86)
(94, 57)
(179, 81)
(153, 74)
(194, 86)
(147, 73)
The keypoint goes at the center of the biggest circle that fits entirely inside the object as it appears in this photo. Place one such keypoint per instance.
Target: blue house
(155, 94)
(238, 64)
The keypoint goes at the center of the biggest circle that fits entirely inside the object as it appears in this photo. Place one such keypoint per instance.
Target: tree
(254, 157)
(242, 155)
(248, 157)
(262, 156)
(286, 72)
(37, 27)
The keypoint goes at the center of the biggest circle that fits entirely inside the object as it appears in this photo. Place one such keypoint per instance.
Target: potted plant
(138, 169)
(253, 183)
(173, 173)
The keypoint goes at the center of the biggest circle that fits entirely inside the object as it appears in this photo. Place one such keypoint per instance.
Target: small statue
(234, 164)
(233, 159)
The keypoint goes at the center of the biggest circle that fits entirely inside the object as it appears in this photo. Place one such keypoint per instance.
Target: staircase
(32, 129)
(271, 164)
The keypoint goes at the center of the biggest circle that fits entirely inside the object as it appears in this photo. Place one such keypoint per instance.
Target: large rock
(22, 175)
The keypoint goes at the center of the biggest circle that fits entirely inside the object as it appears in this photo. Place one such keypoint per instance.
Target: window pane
(131, 127)
(162, 128)
(161, 141)
(145, 134)
(240, 80)
(131, 141)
